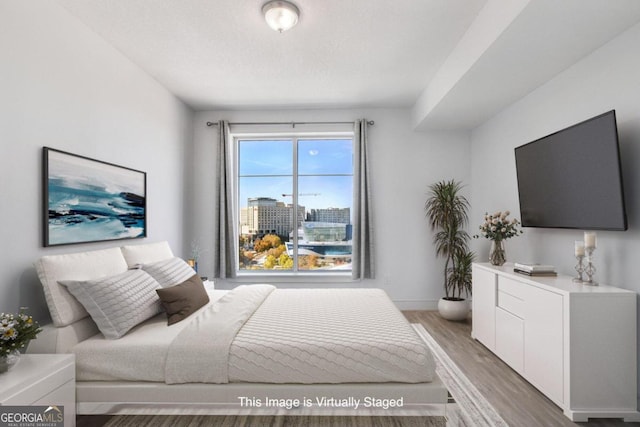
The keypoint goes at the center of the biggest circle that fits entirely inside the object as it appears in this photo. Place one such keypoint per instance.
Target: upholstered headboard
(146, 254)
(71, 322)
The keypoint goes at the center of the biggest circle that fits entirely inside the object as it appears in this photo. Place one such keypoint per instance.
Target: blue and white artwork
(88, 200)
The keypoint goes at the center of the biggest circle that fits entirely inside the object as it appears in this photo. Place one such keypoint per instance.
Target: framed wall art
(87, 200)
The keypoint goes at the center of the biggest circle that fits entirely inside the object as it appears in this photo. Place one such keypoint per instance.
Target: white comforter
(292, 336)
(200, 353)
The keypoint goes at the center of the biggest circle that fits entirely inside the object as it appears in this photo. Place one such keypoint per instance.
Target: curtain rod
(292, 124)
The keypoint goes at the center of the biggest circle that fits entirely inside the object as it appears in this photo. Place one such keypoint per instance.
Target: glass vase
(8, 361)
(497, 253)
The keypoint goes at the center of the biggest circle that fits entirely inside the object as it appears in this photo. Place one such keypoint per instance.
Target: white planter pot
(454, 310)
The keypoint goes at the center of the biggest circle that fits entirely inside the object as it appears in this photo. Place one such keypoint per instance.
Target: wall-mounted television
(572, 178)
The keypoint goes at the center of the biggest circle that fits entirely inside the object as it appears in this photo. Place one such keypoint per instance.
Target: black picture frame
(87, 200)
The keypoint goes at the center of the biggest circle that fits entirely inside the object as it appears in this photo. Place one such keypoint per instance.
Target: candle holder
(579, 269)
(590, 269)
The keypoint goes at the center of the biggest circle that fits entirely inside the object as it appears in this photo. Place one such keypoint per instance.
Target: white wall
(607, 79)
(403, 164)
(62, 86)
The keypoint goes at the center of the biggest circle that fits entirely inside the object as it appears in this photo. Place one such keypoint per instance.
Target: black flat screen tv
(572, 178)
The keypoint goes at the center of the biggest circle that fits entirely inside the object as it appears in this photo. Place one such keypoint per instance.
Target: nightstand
(42, 380)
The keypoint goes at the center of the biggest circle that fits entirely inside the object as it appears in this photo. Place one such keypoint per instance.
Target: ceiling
(220, 54)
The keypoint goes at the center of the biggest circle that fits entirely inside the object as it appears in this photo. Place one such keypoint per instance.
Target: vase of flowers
(16, 330)
(498, 228)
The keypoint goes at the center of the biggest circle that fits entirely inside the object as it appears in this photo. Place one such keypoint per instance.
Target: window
(295, 203)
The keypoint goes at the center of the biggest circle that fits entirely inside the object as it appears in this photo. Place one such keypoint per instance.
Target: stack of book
(534, 269)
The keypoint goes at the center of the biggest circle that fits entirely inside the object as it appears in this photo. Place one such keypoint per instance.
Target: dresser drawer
(513, 305)
(512, 287)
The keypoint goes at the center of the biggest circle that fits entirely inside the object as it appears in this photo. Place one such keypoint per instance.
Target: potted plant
(446, 210)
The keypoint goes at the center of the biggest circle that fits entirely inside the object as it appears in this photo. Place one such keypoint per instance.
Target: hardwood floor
(517, 401)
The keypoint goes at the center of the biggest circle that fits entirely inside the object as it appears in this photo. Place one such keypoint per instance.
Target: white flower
(494, 228)
(9, 334)
(8, 323)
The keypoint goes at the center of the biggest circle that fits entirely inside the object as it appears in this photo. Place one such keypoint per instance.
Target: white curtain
(363, 248)
(224, 245)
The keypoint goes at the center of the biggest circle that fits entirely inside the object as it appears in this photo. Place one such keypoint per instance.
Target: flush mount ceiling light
(281, 15)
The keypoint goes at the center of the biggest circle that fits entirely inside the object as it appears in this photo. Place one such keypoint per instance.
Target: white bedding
(200, 353)
(329, 336)
(294, 336)
(138, 356)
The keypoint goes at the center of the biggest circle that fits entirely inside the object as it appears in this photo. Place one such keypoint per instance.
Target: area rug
(472, 408)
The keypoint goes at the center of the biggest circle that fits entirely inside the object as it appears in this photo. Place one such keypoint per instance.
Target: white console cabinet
(575, 343)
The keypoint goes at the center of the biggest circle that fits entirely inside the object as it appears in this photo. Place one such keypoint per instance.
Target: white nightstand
(42, 380)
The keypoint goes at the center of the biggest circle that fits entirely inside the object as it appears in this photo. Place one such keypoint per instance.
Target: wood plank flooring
(517, 401)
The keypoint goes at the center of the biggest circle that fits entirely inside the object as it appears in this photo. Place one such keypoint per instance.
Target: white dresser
(42, 380)
(575, 343)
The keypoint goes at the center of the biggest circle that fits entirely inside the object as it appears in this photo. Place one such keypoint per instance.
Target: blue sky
(321, 166)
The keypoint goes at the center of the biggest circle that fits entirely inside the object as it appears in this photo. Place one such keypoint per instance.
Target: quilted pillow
(169, 272)
(117, 303)
(182, 300)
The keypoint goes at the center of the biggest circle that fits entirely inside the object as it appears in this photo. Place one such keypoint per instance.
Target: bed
(256, 349)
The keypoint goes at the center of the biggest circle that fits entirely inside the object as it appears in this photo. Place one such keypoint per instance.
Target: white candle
(579, 248)
(590, 239)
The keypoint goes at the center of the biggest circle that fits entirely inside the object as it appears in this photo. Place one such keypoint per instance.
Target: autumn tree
(267, 242)
(258, 246)
(307, 262)
(270, 262)
(273, 240)
(285, 261)
(243, 241)
(277, 251)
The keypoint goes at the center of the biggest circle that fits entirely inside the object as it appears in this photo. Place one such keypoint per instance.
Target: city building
(338, 215)
(264, 215)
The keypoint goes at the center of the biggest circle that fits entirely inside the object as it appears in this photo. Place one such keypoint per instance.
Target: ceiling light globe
(280, 15)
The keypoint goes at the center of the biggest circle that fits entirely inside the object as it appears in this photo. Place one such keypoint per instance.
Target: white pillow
(64, 308)
(118, 303)
(147, 253)
(169, 272)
